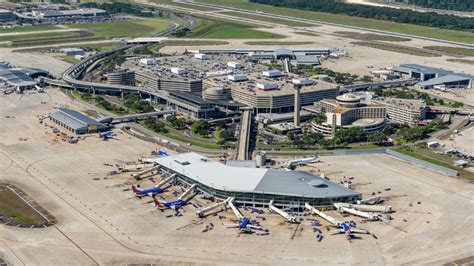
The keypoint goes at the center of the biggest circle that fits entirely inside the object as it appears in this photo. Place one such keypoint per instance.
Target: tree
(319, 118)
(349, 135)
(200, 127)
(177, 123)
(378, 138)
(155, 124)
(312, 138)
(290, 135)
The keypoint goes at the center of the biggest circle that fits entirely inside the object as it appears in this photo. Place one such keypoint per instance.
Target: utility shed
(76, 122)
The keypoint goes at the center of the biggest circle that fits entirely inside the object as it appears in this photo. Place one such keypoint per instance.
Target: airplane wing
(255, 227)
(232, 225)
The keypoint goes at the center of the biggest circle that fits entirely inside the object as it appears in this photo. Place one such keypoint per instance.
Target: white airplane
(291, 164)
(349, 231)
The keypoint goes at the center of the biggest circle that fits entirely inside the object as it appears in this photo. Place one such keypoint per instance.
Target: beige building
(347, 111)
(403, 111)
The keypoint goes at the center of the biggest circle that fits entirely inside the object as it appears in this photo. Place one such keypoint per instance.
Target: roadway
(243, 151)
(316, 22)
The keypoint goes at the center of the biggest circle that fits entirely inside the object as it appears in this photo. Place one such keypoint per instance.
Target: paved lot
(101, 223)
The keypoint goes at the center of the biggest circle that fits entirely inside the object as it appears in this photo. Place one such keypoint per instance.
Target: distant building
(21, 78)
(403, 111)
(7, 15)
(76, 122)
(431, 77)
(347, 111)
(72, 51)
(121, 77)
(71, 13)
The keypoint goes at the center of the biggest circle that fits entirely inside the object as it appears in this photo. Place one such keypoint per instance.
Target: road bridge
(243, 151)
(134, 117)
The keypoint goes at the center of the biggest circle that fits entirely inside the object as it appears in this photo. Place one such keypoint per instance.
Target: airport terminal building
(255, 186)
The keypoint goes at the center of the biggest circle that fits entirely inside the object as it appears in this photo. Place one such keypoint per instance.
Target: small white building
(72, 51)
(234, 65)
(267, 86)
(79, 57)
(201, 56)
(237, 77)
(147, 61)
(177, 71)
(303, 81)
(272, 73)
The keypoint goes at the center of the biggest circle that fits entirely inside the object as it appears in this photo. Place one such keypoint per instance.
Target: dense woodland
(382, 13)
(460, 5)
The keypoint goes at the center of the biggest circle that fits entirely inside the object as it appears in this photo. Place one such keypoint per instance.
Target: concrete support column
(296, 119)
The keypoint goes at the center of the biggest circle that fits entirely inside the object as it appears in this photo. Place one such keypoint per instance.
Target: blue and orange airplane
(146, 192)
(163, 205)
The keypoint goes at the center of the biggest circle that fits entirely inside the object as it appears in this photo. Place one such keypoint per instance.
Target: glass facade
(261, 199)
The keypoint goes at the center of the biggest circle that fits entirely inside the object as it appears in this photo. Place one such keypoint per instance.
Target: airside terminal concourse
(255, 186)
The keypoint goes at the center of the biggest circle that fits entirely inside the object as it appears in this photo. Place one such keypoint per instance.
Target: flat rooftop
(284, 83)
(258, 180)
(194, 68)
(422, 69)
(411, 104)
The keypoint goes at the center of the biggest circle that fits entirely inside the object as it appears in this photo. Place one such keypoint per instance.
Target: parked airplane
(106, 135)
(146, 192)
(244, 226)
(291, 164)
(175, 205)
(163, 205)
(349, 231)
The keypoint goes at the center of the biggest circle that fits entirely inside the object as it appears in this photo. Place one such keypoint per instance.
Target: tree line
(382, 13)
(460, 5)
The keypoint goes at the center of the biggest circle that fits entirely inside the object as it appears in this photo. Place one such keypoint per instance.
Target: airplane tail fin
(135, 189)
(158, 204)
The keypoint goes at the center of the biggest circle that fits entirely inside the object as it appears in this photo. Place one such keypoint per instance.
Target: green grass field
(452, 35)
(45, 38)
(193, 43)
(221, 29)
(452, 50)
(91, 32)
(431, 157)
(268, 19)
(17, 210)
(130, 28)
(397, 49)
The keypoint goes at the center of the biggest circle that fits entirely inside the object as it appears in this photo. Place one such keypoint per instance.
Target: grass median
(424, 31)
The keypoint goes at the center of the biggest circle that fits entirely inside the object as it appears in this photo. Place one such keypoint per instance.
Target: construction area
(99, 191)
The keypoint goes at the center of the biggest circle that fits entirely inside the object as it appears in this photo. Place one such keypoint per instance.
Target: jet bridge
(202, 212)
(235, 210)
(289, 218)
(145, 171)
(367, 208)
(326, 217)
(166, 180)
(187, 192)
(366, 215)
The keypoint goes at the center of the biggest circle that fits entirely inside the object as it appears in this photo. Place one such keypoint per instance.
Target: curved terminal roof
(348, 97)
(258, 180)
